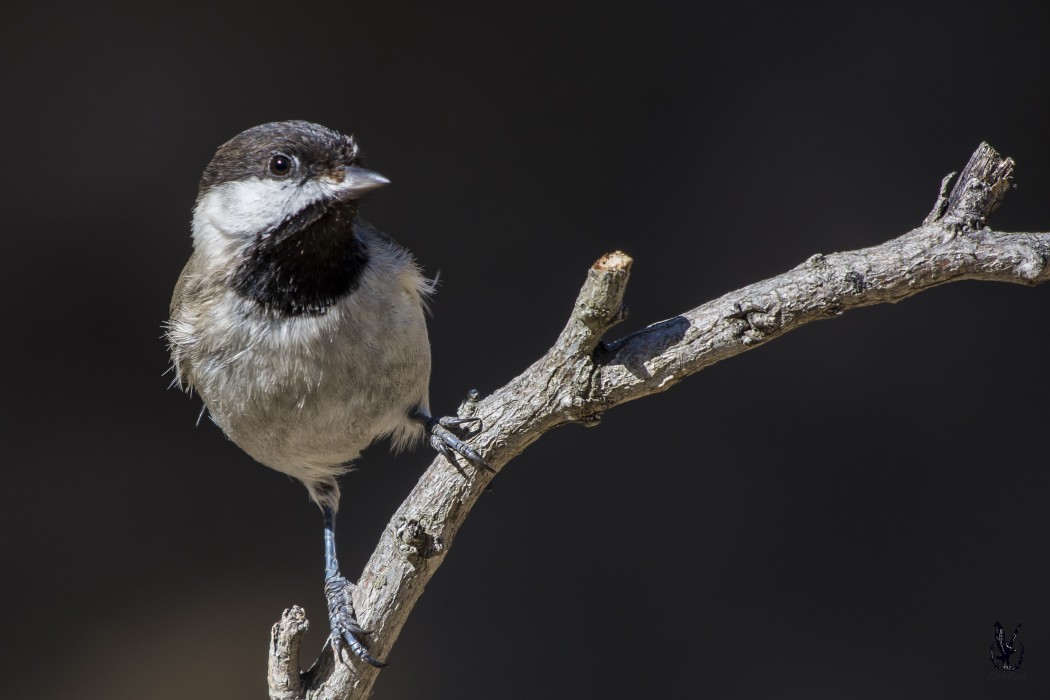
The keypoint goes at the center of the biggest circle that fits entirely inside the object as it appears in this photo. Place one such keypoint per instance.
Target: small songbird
(301, 326)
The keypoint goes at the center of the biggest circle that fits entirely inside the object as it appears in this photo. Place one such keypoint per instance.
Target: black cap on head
(248, 154)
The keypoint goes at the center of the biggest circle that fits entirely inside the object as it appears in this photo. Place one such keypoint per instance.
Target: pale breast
(306, 394)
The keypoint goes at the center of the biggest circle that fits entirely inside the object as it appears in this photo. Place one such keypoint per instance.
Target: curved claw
(446, 442)
(456, 421)
(355, 646)
(341, 617)
(442, 439)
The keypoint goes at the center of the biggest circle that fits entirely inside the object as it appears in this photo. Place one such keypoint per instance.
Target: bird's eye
(280, 165)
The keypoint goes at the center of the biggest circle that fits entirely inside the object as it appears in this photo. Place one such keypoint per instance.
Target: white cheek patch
(230, 215)
(250, 206)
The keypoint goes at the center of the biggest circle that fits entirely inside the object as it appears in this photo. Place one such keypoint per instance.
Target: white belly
(306, 394)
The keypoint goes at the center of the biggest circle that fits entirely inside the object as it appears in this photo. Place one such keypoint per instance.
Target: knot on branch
(414, 542)
(978, 192)
(757, 320)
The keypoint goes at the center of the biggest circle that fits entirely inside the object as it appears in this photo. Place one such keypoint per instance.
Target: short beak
(358, 181)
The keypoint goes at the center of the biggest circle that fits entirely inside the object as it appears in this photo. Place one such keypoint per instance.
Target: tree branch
(580, 377)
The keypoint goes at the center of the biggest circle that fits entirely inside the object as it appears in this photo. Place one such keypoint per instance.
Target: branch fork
(581, 376)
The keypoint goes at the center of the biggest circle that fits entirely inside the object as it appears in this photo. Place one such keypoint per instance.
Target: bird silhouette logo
(1001, 661)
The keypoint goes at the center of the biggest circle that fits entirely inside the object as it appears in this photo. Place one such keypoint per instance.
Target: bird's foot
(343, 619)
(442, 438)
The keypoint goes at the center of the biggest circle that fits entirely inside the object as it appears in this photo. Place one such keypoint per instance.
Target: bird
(302, 327)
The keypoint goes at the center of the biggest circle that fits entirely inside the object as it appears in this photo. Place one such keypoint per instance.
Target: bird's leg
(441, 437)
(339, 593)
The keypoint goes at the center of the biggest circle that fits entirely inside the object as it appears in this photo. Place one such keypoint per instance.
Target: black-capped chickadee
(300, 325)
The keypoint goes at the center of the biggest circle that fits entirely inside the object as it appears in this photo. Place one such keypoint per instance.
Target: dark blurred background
(844, 513)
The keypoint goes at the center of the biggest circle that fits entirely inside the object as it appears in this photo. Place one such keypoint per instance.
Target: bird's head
(272, 173)
(275, 216)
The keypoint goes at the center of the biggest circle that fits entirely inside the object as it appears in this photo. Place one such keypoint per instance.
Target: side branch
(655, 358)
(580, 377)
(283, 667)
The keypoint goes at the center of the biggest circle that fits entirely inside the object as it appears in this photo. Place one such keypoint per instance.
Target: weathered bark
(580, 377)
